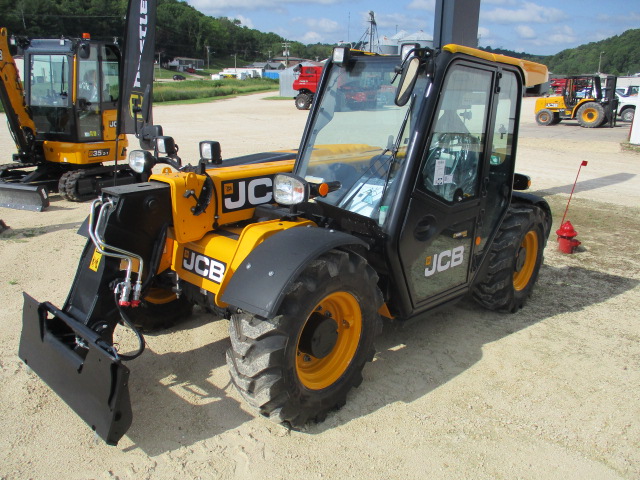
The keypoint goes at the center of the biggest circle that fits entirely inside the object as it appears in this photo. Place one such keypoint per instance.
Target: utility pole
(285, 52)
(207, 47)
(600, 62)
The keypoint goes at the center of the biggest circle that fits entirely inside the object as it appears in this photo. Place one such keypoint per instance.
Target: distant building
(181, 64)
(265, 66)
(392, 45)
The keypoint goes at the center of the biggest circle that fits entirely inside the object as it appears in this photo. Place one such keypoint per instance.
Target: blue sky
(541, 27)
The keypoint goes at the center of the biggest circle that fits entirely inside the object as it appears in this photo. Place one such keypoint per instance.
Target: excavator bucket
(79, 366)
(23, 197)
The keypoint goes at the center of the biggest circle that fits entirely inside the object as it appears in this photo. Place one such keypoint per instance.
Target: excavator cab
(68, 94)
(62, 110)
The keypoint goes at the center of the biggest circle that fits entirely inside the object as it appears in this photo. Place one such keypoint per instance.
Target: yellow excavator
(63, 117)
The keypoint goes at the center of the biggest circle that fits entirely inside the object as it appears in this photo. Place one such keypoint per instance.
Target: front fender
(263, 278)
(531, 199)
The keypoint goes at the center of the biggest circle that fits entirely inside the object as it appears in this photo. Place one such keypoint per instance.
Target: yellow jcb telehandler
(388, 211)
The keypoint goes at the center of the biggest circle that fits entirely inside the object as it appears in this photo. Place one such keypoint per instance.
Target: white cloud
(429, 5)
(220, 7)
(311, 37)
(525, 31)
(526, 12)
(562, 35)
(324, 25)
(245, 21)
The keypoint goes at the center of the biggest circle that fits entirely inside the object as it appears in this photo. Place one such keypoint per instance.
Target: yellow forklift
(584, 99)
(62, 116)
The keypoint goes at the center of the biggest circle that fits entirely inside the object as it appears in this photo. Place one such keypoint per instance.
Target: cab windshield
(359, 136)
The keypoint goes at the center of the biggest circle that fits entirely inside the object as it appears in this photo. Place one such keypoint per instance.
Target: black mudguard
(531, 199)
(91, 380)
(260, 283)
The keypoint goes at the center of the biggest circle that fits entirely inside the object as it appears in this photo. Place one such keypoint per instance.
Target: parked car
(627, 106)
(190, 70)
(179, 77)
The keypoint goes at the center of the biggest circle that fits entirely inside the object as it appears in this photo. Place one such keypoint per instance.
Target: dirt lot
(551, 392)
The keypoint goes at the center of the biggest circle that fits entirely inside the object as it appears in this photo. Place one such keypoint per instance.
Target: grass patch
(204, 90)
(278, 98)
(630, 147)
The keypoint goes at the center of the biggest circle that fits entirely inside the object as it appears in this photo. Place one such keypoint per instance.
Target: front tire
(300, 365)
(591, 115)
(514, 260)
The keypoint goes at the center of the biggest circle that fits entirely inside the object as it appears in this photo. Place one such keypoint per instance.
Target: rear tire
(303, 101)
(591, 115)
(544, 117)
(300, 365)
(514, 260)
(159, 309)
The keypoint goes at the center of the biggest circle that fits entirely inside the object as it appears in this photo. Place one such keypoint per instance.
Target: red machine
(306, 83)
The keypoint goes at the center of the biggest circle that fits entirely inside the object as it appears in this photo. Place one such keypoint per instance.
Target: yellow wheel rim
(318, 373)
(589, 114)
(526, 260)
(160, 296)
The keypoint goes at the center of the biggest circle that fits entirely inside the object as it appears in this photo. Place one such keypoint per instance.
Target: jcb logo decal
(113, 124)
(203, 266)
(444, 261)
(246, 193)
(135, 101)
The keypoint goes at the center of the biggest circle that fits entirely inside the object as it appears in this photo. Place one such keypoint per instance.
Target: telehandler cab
(387, 212)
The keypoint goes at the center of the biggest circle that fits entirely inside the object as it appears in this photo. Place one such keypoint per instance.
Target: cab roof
(534, 73)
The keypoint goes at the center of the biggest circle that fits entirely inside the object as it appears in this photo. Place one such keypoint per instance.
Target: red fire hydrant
(566, 241)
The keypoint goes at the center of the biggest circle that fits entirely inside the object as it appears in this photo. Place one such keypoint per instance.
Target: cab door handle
(425, 228)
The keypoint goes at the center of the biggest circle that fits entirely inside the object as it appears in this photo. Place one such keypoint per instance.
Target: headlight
(166, 145)
(210, 151)
(341, 55)
(289, 189)
(140, 160)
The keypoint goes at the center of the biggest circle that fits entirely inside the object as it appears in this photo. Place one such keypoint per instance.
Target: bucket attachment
(23, 197)
(79, 366)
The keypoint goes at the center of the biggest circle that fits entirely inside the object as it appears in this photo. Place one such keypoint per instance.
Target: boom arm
(21, 124)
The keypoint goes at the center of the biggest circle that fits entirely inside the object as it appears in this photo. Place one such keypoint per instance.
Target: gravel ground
(551, 392)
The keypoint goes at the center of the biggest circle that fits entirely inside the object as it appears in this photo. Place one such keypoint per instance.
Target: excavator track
(85, 184)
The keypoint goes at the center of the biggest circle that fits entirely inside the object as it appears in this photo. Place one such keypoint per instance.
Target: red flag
(584, 163)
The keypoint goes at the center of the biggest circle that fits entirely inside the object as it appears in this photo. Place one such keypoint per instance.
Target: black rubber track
(262, 357)
(496, 290)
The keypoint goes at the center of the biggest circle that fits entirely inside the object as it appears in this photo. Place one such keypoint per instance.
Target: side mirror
(407, 81)
(148, 134)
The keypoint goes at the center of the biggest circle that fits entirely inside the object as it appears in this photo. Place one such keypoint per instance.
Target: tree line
(181, 30)
(618, 55)
(184, 31)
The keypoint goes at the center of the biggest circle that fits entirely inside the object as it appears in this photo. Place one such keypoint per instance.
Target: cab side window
(451, 165)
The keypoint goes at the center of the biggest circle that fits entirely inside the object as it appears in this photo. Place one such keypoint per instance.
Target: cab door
(444, 215)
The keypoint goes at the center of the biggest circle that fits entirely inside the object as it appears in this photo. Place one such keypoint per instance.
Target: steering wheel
(462, 170)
